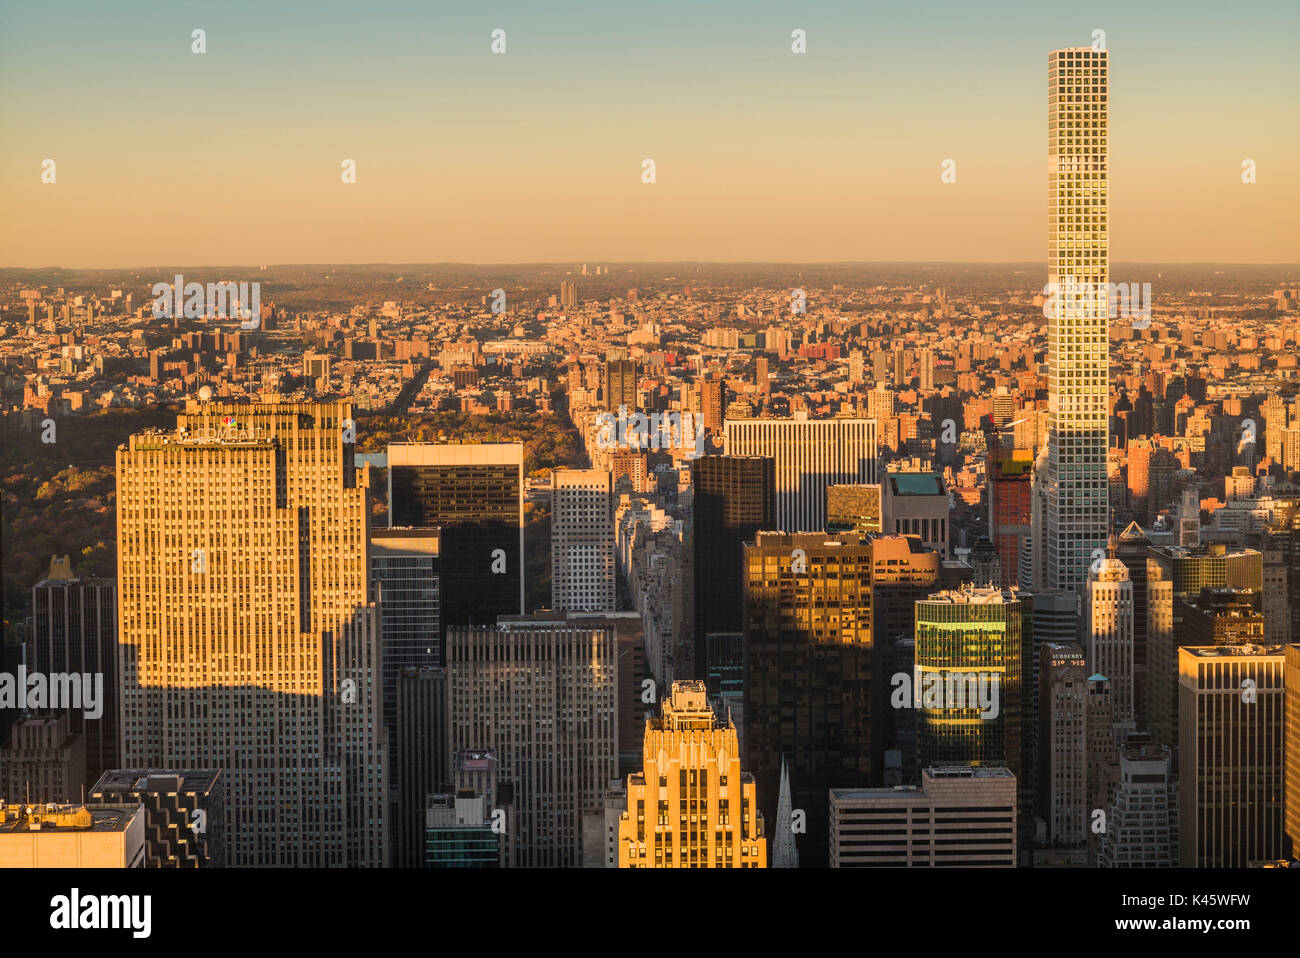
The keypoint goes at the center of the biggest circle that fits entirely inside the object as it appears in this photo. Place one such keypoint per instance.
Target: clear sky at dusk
(233, 156)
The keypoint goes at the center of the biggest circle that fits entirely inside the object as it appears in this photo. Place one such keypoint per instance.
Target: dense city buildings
(692, 805)
(249, 639)
(736, 563)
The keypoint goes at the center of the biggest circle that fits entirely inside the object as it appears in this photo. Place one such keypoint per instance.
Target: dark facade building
(423, 764)
(735, 498)
(808, 653)
(474, 495)
(621, 385)
(74, 629)
(185, 813)
(1223, 617)
(902, 572)
(404, 562)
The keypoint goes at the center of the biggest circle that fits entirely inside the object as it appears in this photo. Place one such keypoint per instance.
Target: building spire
(785, 854)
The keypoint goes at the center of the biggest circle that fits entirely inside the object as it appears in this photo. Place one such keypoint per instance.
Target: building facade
(692, 806)
(249, 640)
(1078, 337)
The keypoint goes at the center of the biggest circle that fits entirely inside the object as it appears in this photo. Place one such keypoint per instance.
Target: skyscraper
(1142, 821)
(543, 695)
(1010, 470)
(810, 455)
(1291, 783)
(405, 564)
(902, 571)
(1108, 631)
(621, 385)
(1230, 780)
(423, 762)
(691, 806)
(249, 640)
(74, 629)
(808, 651)
(474, 494)
(735, 497)
(1062, 741)
(1078, 309)
(582, 540)
(970, 643)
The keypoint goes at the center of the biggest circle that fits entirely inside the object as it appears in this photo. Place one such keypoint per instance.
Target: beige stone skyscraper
(248, 639)
(691, 806)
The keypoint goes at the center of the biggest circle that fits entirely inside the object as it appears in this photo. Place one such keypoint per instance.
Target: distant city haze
(165, 156)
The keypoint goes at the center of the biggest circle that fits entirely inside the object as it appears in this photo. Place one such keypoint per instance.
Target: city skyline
(576, 562)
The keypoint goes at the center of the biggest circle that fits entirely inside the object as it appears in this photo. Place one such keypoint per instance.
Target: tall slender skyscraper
(1078, 309)
(248, 638)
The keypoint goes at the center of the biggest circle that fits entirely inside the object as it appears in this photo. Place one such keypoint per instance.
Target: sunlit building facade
(692, 806)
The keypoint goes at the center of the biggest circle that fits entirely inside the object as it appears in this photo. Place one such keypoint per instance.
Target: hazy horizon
(535, 155)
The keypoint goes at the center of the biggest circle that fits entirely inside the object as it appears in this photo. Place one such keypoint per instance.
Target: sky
(234, 156)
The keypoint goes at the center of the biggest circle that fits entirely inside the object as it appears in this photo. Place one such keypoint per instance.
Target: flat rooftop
(157, 780)
(66, 819)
